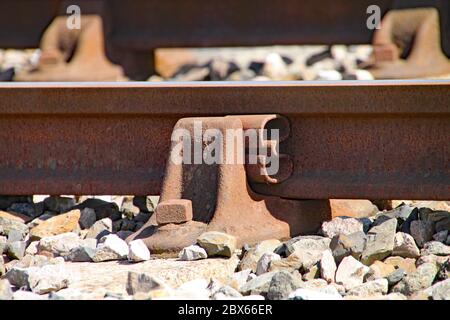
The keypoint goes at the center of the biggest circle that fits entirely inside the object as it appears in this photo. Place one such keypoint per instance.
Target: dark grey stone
(141, 282)
(346, 245)
(395, 277)
(144, 203)
(281, 285)
(127, 225)
(7, 201)
(87, 218)
(124, 234)
(367, 223)
(103, 209)
(24, 208)
(142, 217)
(406, 226)
(59, 204)
(81, 254)
(380, 240)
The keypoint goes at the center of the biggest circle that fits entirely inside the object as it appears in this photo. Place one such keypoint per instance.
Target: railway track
(378, 130)
(133, 30)
(370, 140)
(353, 140)
(300, 143)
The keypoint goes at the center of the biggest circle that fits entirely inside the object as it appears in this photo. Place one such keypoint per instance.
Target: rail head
(219, 98)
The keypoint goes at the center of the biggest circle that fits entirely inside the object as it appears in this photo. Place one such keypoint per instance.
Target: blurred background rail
(134, 29)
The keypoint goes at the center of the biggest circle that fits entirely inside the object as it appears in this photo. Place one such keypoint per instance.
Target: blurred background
(233, 40)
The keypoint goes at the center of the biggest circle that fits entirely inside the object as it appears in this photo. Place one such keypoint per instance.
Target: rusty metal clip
(216, 197)
(73, 54)
(408, 45)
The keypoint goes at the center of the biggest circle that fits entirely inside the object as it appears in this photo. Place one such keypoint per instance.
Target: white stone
(5, 290)
(32, 248)
(441, 290)
(40, 280)
(217, 243)
(254, 297)
(436, 248)
(105, 198)
(339, 52)
(351, 272)
(221, 292)
(311, 243)
(238, 279)
(39, 198)
(138, 251)
(258, 285)
(274, 67)
(331, 289)
(60, 244)
(191, 253)
(405, 246)
(329, 75)
(252, 256)
(328, 266)
(422, 278)
(70, 294)
(111, 248)
(196, 284)
(341, 225)
(48, 278)
(27, 295)
(339, 288)
(371, 288)
(305, 294)
(315, 284)
(363, 75)
(196, 289)
(307, 258)
(264, 262)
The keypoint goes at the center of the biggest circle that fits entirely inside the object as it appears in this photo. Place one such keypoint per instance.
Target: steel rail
(379, 140)
(134, 29)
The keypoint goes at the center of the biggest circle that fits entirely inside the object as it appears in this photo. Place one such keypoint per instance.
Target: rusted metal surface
(257, 172)
(408, 45)
(371, 140)
(134, 29)
(221, 199)
(73, 54)
(148, 24)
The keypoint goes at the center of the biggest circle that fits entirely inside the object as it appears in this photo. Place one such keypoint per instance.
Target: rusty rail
(377, 140)
(135, 28)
